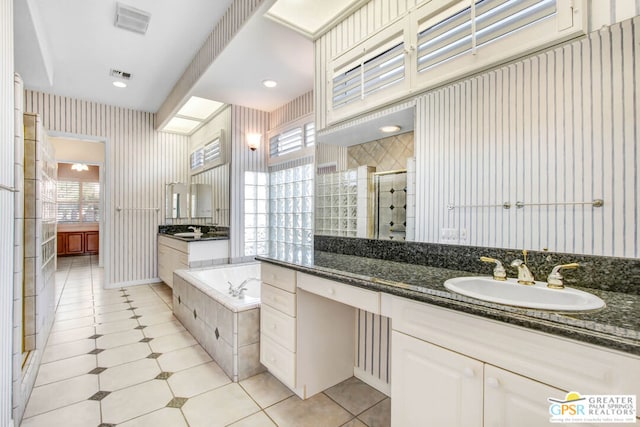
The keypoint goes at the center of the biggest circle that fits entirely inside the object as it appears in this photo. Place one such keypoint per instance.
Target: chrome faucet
(525, 277)
(554, 280)
(237, 291)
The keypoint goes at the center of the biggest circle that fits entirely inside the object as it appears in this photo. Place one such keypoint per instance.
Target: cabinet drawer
(174, 243)
(346, 294)
(277, 298)
(280, 277)
(280, 362)
(170, 256)
(279, 327)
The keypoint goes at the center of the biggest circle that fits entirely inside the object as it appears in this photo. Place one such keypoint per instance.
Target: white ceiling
(68, 47)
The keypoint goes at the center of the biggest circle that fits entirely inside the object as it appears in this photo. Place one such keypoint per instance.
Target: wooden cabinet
(92, 242)
(78, 242)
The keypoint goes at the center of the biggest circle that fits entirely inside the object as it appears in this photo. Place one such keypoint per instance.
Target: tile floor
(119, 357)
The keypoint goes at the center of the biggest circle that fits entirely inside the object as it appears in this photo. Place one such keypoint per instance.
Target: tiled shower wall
(385, 154)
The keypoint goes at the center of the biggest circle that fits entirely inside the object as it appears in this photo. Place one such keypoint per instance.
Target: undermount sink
(537, 296)
(188, 234)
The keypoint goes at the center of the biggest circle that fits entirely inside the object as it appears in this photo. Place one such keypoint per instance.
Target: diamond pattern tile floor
(120, 357)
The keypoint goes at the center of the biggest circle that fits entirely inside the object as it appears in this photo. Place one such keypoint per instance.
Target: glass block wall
(256, 213)
(291, 214)
(337, 198)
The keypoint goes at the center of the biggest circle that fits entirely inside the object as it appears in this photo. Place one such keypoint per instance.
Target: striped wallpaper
(291, 111)
(560, 126)
(233, 19)
(6, 212)
(139, 161)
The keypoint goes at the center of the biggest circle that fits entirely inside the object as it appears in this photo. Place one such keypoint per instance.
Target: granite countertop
(203, 238)
(617, 326)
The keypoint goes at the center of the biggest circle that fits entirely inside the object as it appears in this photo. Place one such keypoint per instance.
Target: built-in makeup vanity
(455, 361)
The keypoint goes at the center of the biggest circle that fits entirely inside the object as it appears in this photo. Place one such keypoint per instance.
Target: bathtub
(227, 327)
(214, 282)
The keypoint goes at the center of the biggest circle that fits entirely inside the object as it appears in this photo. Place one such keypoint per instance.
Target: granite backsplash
(597, 272)
(184, 228)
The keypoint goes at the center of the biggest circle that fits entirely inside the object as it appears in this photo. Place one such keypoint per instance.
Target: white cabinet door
(434, 387)
(511, 399)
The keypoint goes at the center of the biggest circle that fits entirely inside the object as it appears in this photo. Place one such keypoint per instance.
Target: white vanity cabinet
(174, 254)
(307, 338)
(455, 369)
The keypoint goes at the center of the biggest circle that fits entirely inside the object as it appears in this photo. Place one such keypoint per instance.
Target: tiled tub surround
(616, 326)
(228, 328)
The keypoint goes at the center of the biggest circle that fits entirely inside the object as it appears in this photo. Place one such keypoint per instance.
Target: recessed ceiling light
(119, 84)
(390, 128)
(269, 83)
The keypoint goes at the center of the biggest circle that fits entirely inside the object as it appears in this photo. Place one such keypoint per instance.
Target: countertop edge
(479, 309)
(193, 239)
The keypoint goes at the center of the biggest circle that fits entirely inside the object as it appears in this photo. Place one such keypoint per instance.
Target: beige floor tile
(232, 405)
(119, 326)
(71, 335)
(65, 368)
(123, 354)
(354, 395)
(129, 374)
(119, 338)
(74, 307)
(62, 393)
(317, 411)
(184, 358)
(74, 314)
(165, 417)
(265, 389)
(80, 414)
(116, 316)
(167, 343)
(161, 329)
(379, 415)
(66, 350)
(156, 318)
(65, 325)
(197, 380)
(259, 419)
(113, 308)
(135, 401)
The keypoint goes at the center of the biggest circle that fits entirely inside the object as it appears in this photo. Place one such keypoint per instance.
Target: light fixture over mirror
(80, 167)
(253, 140)
(390, 128)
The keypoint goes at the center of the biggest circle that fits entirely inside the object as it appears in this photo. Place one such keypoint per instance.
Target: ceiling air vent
(132, 19)
(120, 74)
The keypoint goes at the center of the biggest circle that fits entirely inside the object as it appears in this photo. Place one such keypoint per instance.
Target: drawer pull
(468, 372)
(274, 327)
(272, 359)
(332, 291)
(493, 382)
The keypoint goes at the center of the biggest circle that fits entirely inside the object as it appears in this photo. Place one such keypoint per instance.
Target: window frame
(216, 161)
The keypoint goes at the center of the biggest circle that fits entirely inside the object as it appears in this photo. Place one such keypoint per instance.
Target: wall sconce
(253, 140)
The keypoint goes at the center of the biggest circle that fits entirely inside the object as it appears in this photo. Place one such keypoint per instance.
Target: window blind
(292, 140)
(378, 72)
(197, 159)
(78, 202)
(212, 151)
(493, 19)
